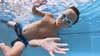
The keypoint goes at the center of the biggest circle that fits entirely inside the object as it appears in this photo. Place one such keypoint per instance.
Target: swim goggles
(68, 20)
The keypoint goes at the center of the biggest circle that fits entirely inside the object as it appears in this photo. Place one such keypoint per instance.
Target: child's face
(71, 15)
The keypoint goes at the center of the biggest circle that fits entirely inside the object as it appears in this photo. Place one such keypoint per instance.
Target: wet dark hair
(77, 12)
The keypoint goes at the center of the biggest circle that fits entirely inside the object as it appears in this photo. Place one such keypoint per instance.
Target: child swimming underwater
(41, 32)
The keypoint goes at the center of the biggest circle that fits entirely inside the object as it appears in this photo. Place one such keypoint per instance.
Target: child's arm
(37, 4)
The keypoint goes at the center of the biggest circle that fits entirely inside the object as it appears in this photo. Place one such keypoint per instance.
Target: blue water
(83, 38)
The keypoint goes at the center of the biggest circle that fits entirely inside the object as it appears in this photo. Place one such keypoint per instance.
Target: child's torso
(41, 29)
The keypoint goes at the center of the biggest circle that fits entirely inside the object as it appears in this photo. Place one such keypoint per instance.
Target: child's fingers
(62, 49)
(51, 53)
(60, 52)
(62, 44)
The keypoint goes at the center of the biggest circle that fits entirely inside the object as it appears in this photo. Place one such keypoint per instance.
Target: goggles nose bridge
(68, 21)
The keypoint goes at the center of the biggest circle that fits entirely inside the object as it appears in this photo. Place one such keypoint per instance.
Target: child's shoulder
(49, 14)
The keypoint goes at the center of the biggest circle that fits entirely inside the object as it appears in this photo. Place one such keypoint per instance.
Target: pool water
(83, 38)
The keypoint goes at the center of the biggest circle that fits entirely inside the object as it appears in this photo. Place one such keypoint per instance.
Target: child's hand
(52, 46)
(38, 3)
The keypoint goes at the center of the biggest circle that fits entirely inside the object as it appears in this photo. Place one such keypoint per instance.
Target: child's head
(69, 17)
